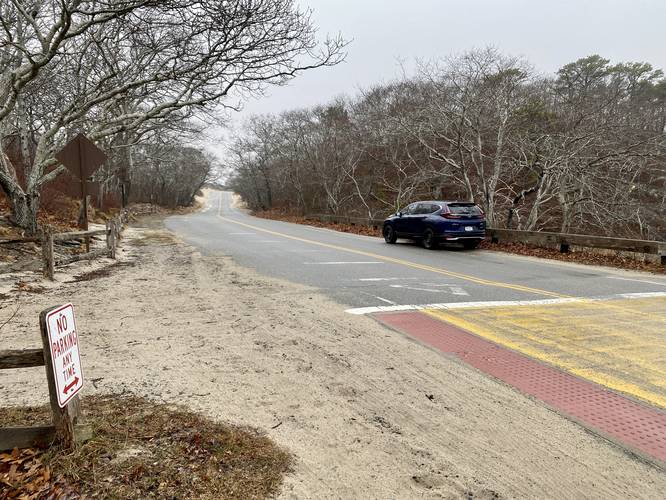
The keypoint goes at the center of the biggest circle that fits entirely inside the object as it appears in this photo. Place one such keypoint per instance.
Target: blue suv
(433, 222)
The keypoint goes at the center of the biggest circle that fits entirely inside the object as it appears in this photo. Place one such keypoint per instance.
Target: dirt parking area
(366, 411)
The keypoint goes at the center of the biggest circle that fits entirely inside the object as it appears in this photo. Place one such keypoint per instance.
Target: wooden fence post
(107, 226)
(63, 418)
(117, 226)
(111, 237)
(47, 253)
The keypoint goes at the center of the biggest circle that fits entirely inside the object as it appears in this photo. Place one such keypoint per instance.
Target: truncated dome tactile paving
(633, 425)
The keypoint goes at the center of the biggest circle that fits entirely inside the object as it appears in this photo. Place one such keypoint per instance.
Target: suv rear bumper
(461, 237)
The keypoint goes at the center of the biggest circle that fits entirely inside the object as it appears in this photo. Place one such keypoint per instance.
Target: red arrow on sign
(71, 386)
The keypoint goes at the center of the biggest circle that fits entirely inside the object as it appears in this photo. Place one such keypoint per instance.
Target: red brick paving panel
(633, 424)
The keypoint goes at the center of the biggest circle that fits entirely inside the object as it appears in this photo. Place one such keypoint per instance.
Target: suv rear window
(426, 208)
(464, 209)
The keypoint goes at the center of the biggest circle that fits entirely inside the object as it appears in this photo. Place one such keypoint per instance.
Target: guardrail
(538, 238)
(566, 241)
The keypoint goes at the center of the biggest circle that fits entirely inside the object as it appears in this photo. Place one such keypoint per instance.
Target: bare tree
(120, 76)
(580, 151)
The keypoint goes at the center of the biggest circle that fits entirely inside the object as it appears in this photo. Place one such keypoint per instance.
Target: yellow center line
(407, 263)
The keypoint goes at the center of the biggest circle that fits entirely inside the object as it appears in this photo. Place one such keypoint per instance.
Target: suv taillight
(451, 216)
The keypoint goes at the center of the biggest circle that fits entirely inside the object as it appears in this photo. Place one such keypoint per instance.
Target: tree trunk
(24, 210)
(566, 214)
(509, 218)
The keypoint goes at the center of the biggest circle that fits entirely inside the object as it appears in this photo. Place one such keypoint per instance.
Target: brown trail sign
(82, 158)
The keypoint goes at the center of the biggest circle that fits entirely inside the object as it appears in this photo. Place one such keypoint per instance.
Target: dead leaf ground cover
(299, 219)
(578, 256)
(142, 449)
(102, 272)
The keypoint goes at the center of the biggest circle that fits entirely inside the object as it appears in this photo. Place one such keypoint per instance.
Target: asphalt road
(363, 272)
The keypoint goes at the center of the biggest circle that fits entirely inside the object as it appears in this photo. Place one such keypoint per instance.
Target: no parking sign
(64, 345)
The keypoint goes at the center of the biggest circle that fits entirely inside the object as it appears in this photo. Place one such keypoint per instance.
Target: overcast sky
(549, 33)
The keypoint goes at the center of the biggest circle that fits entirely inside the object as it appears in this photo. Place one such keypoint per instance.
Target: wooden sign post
(64, 378)
(63, 369)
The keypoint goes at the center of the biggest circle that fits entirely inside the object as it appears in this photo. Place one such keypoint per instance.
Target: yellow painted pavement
(620, 344)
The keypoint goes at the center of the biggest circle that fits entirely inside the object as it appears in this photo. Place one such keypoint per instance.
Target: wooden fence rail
(77, 235)
(538, 238)
(112, 233)
(26, 358)
(29, 239)
(566, 241)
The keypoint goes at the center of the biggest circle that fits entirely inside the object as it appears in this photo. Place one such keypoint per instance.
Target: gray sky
(549, 33)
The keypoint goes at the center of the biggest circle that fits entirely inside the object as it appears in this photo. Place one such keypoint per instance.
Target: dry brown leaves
(62, 215)
(579, 256)
(103, 272)
(24, 286)
(299, 219)
(24, 476)
(145, 449)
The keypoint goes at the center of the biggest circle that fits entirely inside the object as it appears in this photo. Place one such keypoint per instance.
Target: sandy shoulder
(345, 395)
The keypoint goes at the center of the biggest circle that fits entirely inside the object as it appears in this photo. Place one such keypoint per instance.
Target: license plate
(469, 228)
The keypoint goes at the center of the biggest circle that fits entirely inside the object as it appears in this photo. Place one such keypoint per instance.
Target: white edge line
(637, 280)
(640, 295)
(499, 303)
(387, 279)
(338, 263)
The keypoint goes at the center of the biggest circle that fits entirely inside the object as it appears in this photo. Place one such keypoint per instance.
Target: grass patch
(142, 449)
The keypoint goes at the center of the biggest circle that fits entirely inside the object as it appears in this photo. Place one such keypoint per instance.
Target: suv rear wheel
(429, 240)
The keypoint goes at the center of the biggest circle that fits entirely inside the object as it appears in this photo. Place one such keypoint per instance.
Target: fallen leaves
(590, 257)
(24, 286)
(24, 476)
(298, 219)
(144, 449)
